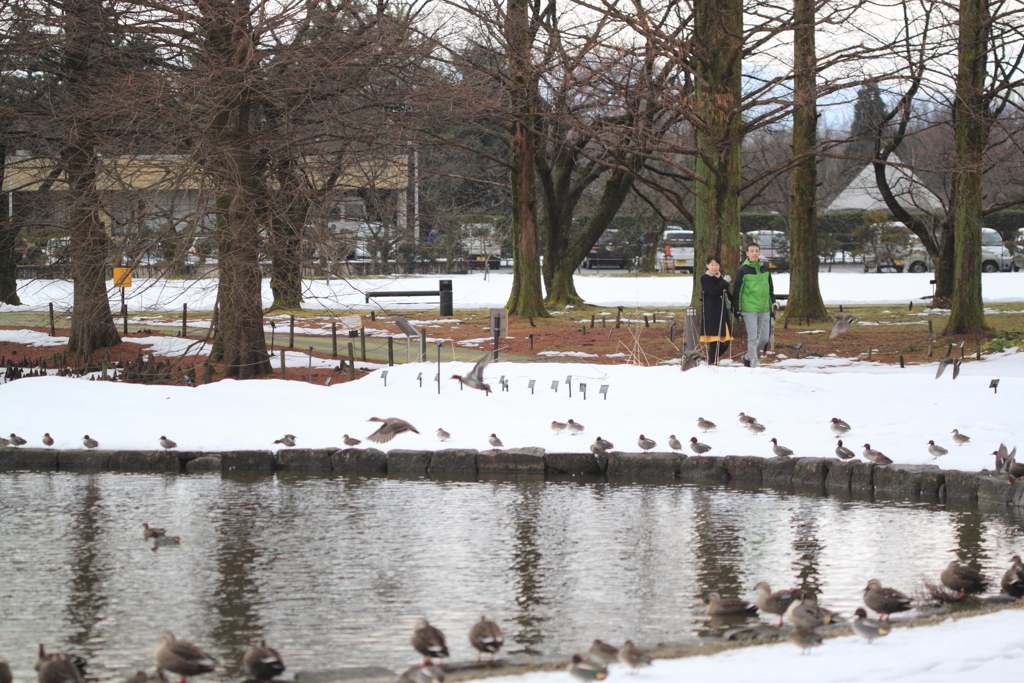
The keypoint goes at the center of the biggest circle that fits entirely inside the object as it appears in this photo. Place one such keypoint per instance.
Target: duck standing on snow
(804, 638)
(486, 637)
(349, 441)
(877, 457)
(745, 419)
(885, 601)
(936, 450)
(780, 451)
(646, 444)
(963, 579)
(958, 438)
(754, 427)
(558, 427)
(16, 440)
(867, 628)
(167, 443)
(90, 443)
(602, 652)
(842, 452)
(674, 444)
(443, 435)
(705, 425)
(391, 427)
(698, 447)
(47, 440)
(574, 427)
(495, 441)
(838, 427)
(633, 657)
(475, 378)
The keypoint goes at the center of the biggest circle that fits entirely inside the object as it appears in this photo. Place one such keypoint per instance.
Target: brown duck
(429, 642)
(885, 601)
(182, 657)
(57, 668)
(777, 602)
(262, 663)
(1013, 579)
(717, 606)
(149, 532)
(486, 637)
(603, 653)
(963, 579)
(390, 428)
(633, 657)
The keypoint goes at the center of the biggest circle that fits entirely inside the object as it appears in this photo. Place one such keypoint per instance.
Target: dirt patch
(590, 335)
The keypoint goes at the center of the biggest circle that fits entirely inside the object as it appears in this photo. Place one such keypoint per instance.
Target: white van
(995, 257)
(676, 252)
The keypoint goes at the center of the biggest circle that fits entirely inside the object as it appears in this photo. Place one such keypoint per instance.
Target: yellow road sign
(122, 277)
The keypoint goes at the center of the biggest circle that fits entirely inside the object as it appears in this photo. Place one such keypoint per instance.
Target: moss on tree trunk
(966, 313)
(717, 50)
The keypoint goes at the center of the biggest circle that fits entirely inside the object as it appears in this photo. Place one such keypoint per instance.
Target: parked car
(676, 253)
(774, 247)
(995, 257)
(610, 251)
(1018, 251)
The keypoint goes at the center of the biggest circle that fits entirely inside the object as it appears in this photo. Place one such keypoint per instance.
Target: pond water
(335, 571)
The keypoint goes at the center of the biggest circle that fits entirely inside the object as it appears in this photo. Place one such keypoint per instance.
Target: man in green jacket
(754, 298)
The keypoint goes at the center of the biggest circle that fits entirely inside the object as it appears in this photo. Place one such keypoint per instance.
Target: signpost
(123, 279)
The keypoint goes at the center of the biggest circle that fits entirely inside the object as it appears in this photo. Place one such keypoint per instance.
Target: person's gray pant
(758, 326)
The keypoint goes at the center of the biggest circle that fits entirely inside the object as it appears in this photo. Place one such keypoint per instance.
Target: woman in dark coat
(714, 327)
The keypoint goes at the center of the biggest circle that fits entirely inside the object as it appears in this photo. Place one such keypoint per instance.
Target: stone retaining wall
(809, 475)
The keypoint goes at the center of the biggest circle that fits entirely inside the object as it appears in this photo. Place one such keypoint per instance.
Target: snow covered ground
(984, 648)
(896, 410)
(473, 291)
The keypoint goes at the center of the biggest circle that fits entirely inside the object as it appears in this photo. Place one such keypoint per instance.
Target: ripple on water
(336, 571)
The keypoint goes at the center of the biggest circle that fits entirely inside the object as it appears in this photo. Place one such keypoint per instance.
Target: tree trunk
(92, 326)
(718, 31)
(966, 313)
(804, 293)
(944, 266)
(527, 297)
(285, 266)
(240, 343)
(9, 230)
(562, 290)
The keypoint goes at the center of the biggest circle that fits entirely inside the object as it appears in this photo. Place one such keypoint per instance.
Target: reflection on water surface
(336, 571)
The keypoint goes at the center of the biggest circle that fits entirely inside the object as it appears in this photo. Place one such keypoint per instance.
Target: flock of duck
(799, 607)
(392, 426)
